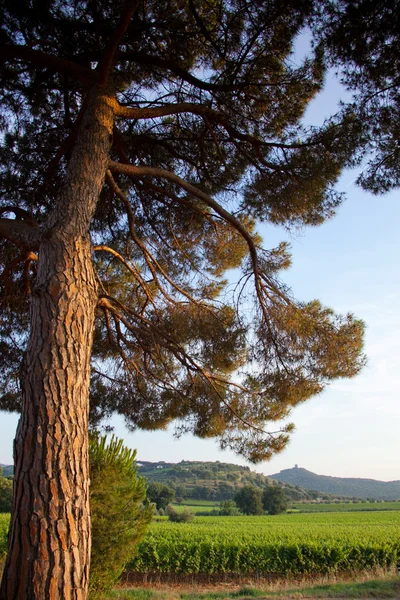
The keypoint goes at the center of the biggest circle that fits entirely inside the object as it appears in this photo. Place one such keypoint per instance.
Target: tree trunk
(49, 540)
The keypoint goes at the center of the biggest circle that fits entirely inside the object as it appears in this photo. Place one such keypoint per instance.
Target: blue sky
(350, 263)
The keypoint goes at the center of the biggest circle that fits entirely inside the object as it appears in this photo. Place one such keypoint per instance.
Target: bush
(228, 508)
(179, 517)
(119, 517)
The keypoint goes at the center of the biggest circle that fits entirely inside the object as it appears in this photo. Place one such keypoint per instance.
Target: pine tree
(361, 40)
(120, 515)
(140, 143)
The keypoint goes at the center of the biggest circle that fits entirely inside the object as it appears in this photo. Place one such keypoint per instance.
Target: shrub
(179, 517)
(228, 508)
(119, 517)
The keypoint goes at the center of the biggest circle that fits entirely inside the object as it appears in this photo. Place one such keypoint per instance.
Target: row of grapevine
(286, 545)
(267, 546)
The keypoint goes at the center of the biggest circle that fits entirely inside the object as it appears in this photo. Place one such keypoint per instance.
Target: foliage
(184, 516)
(249, 500)
(119, 517)
(361, 40)
(207, 102)
(6, 487)
(289, 545)
(227, 508)
(8, 470)
(274, 500)
(160, 494)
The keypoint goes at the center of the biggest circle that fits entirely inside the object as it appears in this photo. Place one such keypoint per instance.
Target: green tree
(140, 141)
(181, 491)
(249, 500)
(201, 492)
(119, 515)
(225, 491)
(161, 494)
(274, 500)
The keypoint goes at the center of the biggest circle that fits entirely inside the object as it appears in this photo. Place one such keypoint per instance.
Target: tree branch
(21, 215)
(262, 281)
(151, 261)
(117, 255)
(64, 149)
(127, 112)
(20, 233)
(168, 342)
(46, 61)
(156, 61)
(115, 40)
(143, 171)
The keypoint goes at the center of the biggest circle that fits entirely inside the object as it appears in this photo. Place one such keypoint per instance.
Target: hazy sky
(350, 263)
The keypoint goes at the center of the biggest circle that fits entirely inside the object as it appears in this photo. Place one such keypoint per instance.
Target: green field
(301, 507)
(291, 544)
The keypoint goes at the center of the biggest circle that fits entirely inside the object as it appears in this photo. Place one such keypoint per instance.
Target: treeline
(5, 492)
(217, 481)
(7, 470)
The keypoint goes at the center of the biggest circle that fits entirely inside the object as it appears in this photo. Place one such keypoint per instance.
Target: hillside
(7, 470)
(220, 481)
(215, 480)
(340, 486)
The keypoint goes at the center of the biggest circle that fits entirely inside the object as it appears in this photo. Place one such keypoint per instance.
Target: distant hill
(340, 486)
(7, 470)
(216, 480)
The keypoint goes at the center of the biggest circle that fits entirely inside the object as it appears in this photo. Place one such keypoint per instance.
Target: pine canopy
(207, 141)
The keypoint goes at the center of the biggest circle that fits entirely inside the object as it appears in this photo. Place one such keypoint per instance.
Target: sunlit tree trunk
(49, 542)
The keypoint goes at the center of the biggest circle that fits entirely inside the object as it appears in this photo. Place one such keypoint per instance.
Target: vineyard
(284, 545)
(287, 545)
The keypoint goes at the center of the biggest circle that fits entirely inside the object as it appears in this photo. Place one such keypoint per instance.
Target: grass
(374, 588)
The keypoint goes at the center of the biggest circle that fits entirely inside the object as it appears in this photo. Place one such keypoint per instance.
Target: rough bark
(49, 542)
